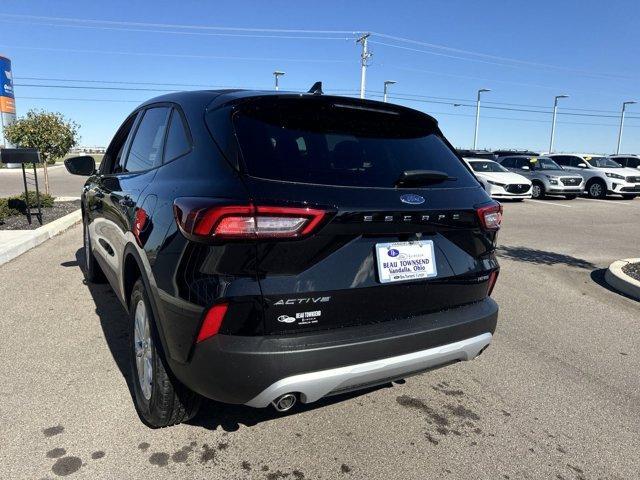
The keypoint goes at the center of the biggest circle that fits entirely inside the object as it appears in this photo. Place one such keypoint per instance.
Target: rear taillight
(197, 219)
(493, 277)
(212, 321)
(490, 216)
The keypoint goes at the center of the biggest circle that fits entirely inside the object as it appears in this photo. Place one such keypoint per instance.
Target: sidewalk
(14, 243)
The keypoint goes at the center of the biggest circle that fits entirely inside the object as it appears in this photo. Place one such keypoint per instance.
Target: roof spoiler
(316, 89)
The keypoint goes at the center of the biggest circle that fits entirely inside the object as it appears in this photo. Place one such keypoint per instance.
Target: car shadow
(114, 322)
(541, 257)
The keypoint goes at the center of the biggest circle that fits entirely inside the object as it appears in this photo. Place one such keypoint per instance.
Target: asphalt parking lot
(556, 396)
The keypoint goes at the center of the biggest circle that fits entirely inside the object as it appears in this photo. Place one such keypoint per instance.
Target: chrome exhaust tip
(284, 402)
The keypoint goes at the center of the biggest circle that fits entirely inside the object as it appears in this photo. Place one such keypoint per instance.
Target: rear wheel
(160, 399)
(597, 189)
(570, 197)
(92, 271)
(537, 190)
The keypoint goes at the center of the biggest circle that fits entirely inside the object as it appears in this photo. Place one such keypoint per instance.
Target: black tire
(170, 402)
(597, 189)
(92, 271)
(571, 197)
(537, 190)
(628, 197)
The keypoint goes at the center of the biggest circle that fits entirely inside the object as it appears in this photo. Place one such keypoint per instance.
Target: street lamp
(553, 122)
(276, 75)
(386, 84)
(624, 107)
(475, 135)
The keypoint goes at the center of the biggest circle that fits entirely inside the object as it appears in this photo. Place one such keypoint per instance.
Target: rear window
(339, 142)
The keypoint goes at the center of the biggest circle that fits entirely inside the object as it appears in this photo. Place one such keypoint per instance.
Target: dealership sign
(7, 102)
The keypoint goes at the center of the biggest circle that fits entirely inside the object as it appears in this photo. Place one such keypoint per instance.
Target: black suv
(273, 248)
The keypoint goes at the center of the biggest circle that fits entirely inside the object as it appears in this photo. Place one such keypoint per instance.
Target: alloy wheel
(595, 190)
(142, 348)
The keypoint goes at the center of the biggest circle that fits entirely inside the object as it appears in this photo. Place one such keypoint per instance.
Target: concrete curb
(619, 280)
(15, 242)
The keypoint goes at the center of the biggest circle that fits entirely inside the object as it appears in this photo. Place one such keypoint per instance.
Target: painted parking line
(625, 203)
(545, 202)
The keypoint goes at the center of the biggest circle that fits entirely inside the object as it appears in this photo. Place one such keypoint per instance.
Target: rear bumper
(313, 386)
(256, 370)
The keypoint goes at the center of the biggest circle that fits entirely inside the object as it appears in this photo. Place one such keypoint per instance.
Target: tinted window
(507, 162)
(341, 142)
(562, 160)
(146, 147)
(113, 158)
(602, 162)
(177, 140)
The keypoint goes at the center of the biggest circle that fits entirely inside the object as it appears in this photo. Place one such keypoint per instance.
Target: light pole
(276, 75)
(624, 107)
(553, 122)
(475, 135)
(386, 84)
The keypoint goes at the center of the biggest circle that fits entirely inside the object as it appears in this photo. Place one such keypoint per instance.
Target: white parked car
(498, 181)
(602, 175)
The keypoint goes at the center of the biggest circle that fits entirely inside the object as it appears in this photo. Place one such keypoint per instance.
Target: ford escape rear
(284, 247)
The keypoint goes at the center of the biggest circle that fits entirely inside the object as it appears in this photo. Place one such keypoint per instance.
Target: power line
(168, 25)
(484, 55)
(403, 95)
(175, 32)
(173, 55)
(502, 64)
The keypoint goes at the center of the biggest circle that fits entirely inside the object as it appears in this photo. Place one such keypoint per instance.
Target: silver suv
(602, 175)
(547, 177)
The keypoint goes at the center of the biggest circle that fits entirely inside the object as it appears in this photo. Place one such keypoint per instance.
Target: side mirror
(582, 165)
(84, 165)
(525, 167)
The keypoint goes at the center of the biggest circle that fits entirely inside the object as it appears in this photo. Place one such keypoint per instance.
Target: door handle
(127, 202)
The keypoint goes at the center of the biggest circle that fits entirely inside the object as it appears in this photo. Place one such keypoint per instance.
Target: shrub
(17, 205)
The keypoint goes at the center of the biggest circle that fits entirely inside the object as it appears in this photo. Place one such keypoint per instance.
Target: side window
(113, 158)
(177, 139)
(507, 163)
(562, 161)
(146, 148)
(633, 163)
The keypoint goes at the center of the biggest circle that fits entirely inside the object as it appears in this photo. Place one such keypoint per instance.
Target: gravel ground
(633, 270)
(49, 214)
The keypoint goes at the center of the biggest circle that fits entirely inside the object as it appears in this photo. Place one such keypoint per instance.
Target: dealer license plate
(402, 261)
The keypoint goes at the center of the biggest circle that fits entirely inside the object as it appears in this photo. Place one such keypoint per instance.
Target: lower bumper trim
(315, 385)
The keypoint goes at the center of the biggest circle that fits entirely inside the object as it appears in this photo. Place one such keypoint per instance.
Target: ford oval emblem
(411, 199)
(392, 252)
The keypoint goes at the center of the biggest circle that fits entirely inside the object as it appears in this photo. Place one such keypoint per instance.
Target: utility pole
(364, 56)
(277, 74)
(475, 135)
(553, 122)
(386, 85)
(624, 107)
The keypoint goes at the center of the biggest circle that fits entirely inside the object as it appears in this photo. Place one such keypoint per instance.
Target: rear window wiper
(416, 178)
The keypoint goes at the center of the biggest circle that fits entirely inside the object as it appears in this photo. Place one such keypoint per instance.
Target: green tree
(50, 133)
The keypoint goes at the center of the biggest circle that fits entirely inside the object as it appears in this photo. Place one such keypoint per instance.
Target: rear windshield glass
(339, 142)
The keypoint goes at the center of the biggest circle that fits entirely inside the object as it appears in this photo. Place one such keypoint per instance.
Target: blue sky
(526, 52)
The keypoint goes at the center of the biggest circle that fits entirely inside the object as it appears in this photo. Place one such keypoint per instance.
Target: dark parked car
(274, 248)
